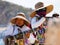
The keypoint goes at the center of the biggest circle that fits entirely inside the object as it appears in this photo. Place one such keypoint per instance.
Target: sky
(31, 3)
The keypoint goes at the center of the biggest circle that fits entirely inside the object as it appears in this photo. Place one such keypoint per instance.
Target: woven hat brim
(20, 17)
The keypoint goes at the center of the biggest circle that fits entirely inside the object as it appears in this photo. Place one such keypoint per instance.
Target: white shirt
(9, 31)
(35, 23)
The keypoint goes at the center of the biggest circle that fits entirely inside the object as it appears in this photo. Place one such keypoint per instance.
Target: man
(38, 18)
(17, 26)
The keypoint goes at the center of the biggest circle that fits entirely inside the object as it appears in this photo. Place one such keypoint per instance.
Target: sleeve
(35, 23)
(8, 31)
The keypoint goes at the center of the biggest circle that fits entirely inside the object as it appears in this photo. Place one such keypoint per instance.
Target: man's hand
(33, 14)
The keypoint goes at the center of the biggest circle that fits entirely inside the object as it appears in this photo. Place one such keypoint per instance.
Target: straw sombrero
(20, 16)
(42, 11)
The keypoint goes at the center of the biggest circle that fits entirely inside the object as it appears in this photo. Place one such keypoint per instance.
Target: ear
(26, 23)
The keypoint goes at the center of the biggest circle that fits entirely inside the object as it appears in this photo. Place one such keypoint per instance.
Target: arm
(7, 32)
(35, 23)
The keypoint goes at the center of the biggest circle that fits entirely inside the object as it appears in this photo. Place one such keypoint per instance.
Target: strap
(17, 29)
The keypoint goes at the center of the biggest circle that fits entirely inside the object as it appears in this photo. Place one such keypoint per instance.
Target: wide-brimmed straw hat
(20, 16)
(48, 9)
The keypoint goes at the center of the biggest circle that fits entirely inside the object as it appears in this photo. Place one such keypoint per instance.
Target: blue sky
(31, 3)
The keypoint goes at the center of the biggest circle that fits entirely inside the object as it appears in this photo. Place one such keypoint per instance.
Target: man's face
(19, 22)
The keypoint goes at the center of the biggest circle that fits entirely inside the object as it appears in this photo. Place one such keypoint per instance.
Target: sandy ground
(53, 34)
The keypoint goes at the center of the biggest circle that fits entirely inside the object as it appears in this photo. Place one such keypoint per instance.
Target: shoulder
(25, 27)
